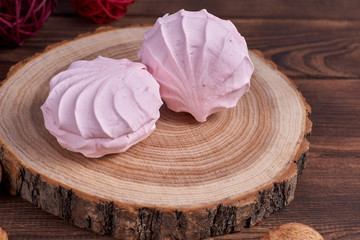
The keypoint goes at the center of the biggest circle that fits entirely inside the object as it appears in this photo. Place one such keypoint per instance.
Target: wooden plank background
(300, 9)
(316, 43)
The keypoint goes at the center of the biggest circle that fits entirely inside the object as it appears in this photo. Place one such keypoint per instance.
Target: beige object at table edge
(3, 235)
(293, 231)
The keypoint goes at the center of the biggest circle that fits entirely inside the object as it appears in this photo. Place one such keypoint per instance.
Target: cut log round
(188, 180)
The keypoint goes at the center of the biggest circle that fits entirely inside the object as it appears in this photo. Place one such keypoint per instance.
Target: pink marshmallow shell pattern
(200, 61)
(102, 106)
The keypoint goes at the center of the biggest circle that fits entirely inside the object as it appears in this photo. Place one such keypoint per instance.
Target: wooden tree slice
(188, 180)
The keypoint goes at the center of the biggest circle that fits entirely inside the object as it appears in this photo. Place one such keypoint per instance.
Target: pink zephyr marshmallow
(200, 61)
(102, 106)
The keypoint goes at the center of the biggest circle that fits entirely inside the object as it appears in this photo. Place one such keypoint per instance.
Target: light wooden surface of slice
(187, 180)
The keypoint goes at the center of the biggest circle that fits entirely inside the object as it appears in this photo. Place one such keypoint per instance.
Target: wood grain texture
(300, 48)
(186, 181)
(331, 9)
(327, 197)
(22, 220)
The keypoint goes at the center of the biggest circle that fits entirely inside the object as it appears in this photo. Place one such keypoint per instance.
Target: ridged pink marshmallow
(200, 61)
(102, 106)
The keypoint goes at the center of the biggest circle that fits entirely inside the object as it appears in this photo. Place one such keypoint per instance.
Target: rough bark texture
(149, 223)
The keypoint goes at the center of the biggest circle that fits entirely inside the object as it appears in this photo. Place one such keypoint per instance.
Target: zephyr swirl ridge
(102, 106)
(200, 61)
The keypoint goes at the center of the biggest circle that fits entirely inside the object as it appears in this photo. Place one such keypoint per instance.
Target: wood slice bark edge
(153, 223)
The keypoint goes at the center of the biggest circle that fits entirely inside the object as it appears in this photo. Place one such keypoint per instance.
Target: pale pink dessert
(200, 61)
(102, 106)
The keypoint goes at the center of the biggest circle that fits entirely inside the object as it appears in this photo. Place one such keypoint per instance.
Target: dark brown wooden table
(316, 43)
